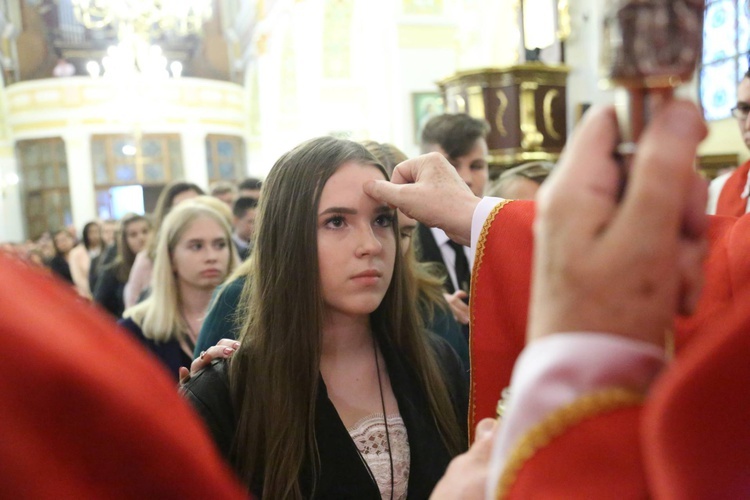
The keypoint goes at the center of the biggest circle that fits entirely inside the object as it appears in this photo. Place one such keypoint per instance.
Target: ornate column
(80, 176)
(11, 228)
(194, 155)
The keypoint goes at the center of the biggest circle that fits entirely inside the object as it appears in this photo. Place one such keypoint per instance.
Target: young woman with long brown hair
(110, 286)
(336, 390)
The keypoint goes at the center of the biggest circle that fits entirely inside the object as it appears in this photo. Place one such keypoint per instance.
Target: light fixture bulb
(176, 68)
(93, 69)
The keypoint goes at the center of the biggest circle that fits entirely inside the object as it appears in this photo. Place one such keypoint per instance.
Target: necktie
(463, 273)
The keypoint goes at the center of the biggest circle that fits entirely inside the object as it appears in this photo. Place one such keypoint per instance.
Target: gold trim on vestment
(478, 257)
(556, 423)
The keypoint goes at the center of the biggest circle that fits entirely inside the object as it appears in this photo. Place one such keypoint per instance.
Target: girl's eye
(335, 222)
(385, 220)
(196, 246)
(221, 244)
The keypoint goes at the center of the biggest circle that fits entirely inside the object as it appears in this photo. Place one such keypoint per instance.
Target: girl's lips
(370, 273)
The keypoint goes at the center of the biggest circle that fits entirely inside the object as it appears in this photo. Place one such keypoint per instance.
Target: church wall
(76, 108)
(344, 67)
(724, 138)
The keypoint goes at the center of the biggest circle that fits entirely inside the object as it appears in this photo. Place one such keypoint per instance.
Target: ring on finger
(203, 353)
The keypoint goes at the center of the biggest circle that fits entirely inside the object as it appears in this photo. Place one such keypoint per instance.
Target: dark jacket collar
(342, 471)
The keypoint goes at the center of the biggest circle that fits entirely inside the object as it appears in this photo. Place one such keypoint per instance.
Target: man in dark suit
(462, 140)
(244, 225)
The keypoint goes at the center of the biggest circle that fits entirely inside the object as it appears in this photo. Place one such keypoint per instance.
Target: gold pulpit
(525, 106)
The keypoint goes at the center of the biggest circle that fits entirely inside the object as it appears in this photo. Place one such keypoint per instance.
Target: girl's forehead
(352, 173)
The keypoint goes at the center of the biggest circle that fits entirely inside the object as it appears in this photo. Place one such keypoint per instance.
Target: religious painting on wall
(425, 105)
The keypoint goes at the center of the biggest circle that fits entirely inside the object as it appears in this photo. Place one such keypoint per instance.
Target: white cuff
(481, 212)
(555, 371)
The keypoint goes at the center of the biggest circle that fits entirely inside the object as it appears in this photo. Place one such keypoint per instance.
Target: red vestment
(730, 200)
(688, 439)
(86, 412)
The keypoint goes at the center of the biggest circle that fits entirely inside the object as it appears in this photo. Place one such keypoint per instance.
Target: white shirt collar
(440, 237)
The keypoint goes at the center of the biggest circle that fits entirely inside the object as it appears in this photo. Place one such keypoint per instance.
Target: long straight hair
(426, 275)
(274, 374)
(85, 235)
(160, 315)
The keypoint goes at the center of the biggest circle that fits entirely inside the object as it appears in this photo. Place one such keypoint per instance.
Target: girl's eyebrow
(351, 211)
(339, 210)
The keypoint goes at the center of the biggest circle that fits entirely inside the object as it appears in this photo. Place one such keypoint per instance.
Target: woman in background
(110, 285)
(63, 243)
(80, 258)
(193, 255)
(140, 275)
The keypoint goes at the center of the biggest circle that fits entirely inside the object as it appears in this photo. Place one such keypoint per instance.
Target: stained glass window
(718, 88)
(225, 158)
(149, 160)
(44, 171)
(726, 43)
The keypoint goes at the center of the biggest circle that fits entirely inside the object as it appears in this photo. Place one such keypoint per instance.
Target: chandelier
(138, 23)
(150, 18)
(135, 57)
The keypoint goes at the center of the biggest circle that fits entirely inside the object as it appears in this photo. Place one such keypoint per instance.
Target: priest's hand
(621, 264)
(429, 189)
(466, 476)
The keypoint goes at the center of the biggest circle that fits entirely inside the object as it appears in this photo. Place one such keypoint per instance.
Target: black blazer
(342, 473)
(429, 251)
(242, 253)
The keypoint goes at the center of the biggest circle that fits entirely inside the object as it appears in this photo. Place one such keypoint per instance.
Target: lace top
(369, 436)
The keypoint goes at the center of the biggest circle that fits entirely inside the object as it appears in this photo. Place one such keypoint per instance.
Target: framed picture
(425, 105)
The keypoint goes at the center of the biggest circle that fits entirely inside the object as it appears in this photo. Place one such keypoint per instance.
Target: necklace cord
(385, 418)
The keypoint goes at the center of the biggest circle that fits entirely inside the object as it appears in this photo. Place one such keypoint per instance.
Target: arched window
(726, 42)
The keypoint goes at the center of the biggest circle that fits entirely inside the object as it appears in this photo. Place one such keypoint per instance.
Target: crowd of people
(347, 329)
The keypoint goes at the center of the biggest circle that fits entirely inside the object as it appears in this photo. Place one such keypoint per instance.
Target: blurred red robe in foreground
(86, 413)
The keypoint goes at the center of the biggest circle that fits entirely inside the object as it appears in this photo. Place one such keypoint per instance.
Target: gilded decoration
(549, 120)
(525, 105)
(532, 138)
(500, 116)
(476, 101)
